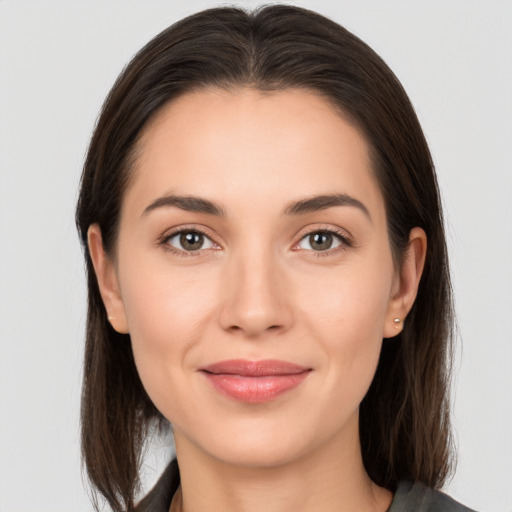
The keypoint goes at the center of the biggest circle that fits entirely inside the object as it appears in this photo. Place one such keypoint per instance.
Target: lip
(254, 381)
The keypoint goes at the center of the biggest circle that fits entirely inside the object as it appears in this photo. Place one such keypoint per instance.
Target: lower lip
(255, 389)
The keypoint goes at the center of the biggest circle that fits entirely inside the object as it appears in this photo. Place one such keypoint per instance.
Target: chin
(256, 445)
(258, 457)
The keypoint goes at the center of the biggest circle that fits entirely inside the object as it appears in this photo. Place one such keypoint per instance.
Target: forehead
(214, 113)
(250, 143)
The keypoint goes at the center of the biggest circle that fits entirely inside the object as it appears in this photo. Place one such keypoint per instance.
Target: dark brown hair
(404, 419)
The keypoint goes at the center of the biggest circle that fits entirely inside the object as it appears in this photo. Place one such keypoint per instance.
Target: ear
(406, 283)
(107, 280)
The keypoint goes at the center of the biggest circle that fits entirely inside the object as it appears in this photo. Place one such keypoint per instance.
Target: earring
(397, 322)
(111, 318)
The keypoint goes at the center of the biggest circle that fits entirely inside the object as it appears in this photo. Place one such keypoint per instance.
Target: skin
(258, 290)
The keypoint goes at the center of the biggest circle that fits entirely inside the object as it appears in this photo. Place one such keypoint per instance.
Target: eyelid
(342, 235)
(194, 228)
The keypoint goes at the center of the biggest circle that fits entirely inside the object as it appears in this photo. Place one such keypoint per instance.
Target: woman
(267, 272)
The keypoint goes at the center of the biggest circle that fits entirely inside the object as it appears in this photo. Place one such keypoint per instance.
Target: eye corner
(176, 242)
(332, 241)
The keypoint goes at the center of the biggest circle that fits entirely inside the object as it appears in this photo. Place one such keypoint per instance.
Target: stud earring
(397, 322)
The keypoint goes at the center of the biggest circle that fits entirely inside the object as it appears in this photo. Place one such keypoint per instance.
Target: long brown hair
(404, 418)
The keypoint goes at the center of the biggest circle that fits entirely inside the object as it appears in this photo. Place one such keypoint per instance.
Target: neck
(332, 479)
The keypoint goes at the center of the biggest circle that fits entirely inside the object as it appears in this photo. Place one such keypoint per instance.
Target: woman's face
(254, 274)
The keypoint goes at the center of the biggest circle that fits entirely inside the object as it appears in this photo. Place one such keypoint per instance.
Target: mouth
(254, 381)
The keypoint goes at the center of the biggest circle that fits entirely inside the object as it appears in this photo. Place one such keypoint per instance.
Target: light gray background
(57, 62)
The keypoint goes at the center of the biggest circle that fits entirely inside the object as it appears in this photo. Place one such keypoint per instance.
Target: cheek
(167, 311)
(161, 299)
(346, 315)
(352, 300)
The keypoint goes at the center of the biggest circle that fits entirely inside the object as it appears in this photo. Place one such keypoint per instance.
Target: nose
(255, 300)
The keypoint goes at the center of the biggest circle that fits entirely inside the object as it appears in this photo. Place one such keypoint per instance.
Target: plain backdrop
(57, 62)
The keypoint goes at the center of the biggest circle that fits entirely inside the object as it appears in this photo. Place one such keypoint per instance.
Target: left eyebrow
(322, 202)
(187, 203)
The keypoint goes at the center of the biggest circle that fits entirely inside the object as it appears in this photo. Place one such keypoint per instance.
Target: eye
(189, 241)
(321, 241)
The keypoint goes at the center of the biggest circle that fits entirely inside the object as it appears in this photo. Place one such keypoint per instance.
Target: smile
(254, 381)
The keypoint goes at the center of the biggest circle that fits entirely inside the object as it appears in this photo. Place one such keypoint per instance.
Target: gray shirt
(416, 497)
(408, 497)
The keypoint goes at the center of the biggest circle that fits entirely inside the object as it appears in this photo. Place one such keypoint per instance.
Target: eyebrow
(187, 203)
(309, 205)
(322, 202)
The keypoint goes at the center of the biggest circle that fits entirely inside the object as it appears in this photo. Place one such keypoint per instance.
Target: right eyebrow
(187, 203)
(325, 201)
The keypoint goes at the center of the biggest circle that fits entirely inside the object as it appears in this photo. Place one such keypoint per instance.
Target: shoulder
(417, 497)
(408, 497)
(160, 497)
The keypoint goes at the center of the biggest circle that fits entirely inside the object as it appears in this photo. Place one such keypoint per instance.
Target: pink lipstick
(254, 381)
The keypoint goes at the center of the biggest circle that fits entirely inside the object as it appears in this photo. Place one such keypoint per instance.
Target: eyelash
(345, 242)
(164, 241)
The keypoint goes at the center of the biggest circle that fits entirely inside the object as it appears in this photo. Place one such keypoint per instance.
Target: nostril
(269, 328)
(254, 309)
(254, 330)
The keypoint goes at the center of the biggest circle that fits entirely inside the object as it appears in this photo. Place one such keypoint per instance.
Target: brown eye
(190, 241)
(321, 241)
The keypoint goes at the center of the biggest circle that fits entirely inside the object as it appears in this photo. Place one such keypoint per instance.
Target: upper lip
(261, 368)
